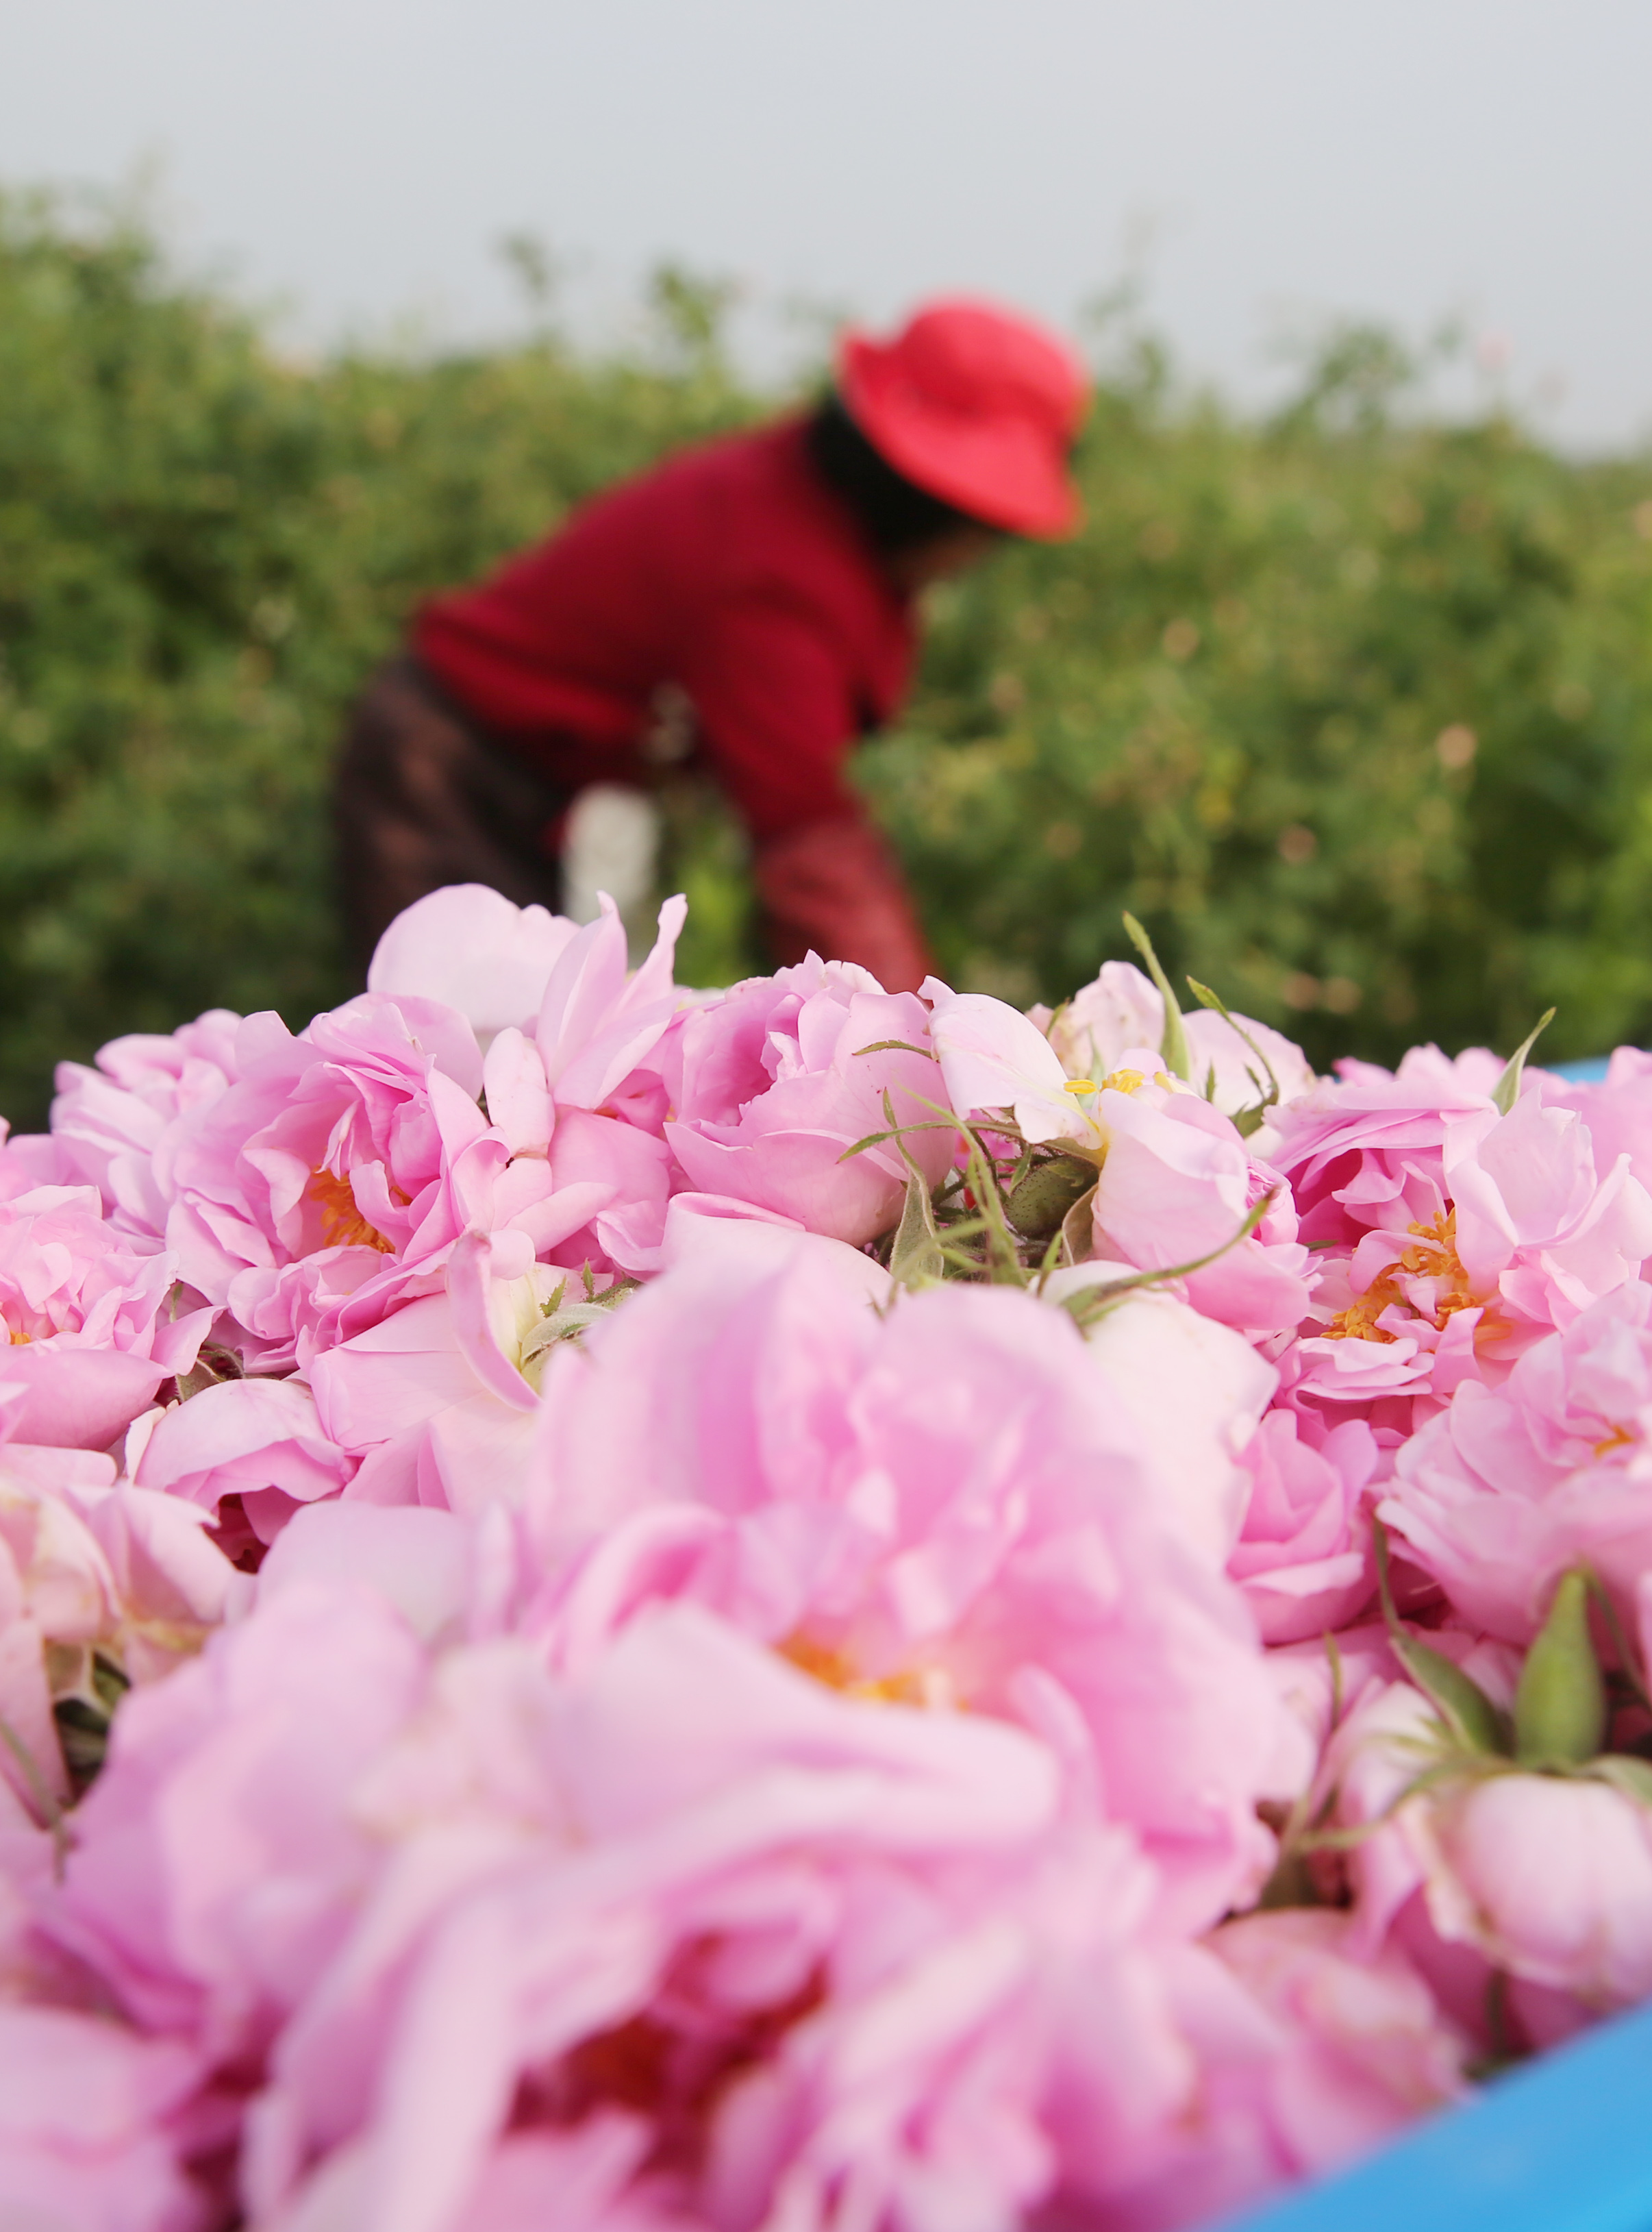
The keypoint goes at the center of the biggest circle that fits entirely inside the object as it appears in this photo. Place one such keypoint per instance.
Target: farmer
(749, 604)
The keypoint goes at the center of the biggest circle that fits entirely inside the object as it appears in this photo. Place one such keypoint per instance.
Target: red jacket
(732, 572)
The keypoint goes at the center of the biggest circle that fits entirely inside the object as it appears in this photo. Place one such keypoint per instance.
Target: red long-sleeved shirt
(731, 571)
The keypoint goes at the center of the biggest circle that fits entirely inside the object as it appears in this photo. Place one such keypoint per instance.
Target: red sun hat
(978, 405)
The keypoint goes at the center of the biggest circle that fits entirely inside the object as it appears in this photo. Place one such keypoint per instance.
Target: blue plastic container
(1581, 1072)
(1561, 2144)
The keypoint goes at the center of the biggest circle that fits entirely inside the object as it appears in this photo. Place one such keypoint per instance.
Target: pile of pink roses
(801, 1610)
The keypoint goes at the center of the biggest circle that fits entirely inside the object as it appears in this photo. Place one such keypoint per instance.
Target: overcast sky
(1262, 164)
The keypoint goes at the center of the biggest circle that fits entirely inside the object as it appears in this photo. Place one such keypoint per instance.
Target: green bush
(1355, 714)
(1243, 702)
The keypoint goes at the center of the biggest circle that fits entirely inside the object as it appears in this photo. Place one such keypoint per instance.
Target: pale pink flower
(357, 1151)
(442, 1915)
(950, 1504)
(111, 1120)
(994, 1059)
(1542, 1225)
(469, 948)
(216, 1864)
(1449, 1240)
(1500, 1495)
(85, 1311)
(1303, 1558)
(1196, 1447)
(581, 1110)
(88, 1567)
(1618, 1111)
(1174, 1182)
(1549, 1876)
(259, 1440)
(92, 2126)
(771, 1085)
(1093, 1032)
(1176, 1186)
(1311, 2051)
(441, 1399)
(813, 1943)
(1368, 1151)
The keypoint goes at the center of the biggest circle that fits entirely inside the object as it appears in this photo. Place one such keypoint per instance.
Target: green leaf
(1560, 1705)
(1507, 1088)
(916, 1258)
(1456, 1696)
(1089, 1303)
(1173, 1047)
(897, 1131)
(1004, 1265)
(1248, 1119)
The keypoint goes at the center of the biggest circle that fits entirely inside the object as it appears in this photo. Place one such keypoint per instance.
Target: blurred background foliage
(1354, 710)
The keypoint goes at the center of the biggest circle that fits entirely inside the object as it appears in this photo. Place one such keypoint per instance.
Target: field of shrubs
(1352, 709)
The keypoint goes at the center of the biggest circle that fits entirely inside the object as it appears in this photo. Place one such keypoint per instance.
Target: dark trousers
(422, 797)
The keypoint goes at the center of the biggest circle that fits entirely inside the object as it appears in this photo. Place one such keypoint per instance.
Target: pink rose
(257, 1439)
(217, 1863)
(470, 948)
(1550, 1877)
(1093, 1032)
(1305, 1556)
(84, 1308)
(1312, 2051)
(770, 1085)
(111, 1121)
(689, 1927)
(1449, 1238)
(1512, 1486)
(91, 2126)
(356, 1151)
(1174, 1183)
(1176, 1186)
(949, 1504)
(441, 1399)
(1617, 1111)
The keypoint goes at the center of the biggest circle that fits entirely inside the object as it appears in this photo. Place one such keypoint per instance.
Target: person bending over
(749, 604)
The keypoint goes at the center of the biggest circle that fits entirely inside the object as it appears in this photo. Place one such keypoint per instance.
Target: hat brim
(1001, 470)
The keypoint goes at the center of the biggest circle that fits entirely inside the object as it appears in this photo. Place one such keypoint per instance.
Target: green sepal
(1173, 1047)
(1252, 1119)
(1467, 1712)
(915, 1259)
(1076, 1234)
(1039, 1203)
(1560, 1705)
(1087, 1304)
(1506, 1091)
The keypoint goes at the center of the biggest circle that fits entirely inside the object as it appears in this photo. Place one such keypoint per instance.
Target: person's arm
(778, 718)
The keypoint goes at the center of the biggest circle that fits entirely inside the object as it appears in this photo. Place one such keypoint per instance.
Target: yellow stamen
(1433, 1256)
(342, 1223)
(931, 1686)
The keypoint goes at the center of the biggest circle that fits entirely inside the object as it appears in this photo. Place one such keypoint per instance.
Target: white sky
(1265, 163)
